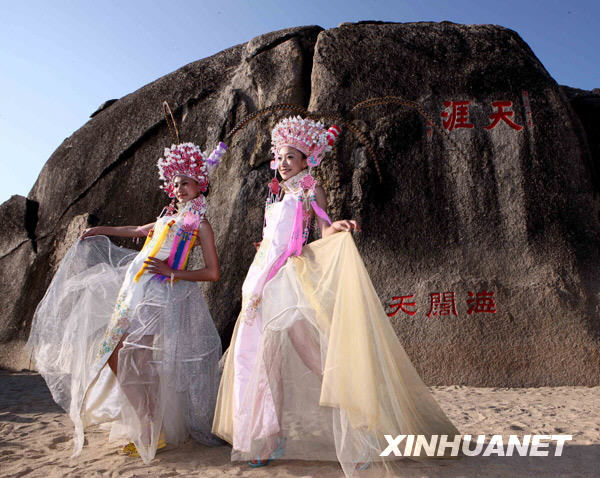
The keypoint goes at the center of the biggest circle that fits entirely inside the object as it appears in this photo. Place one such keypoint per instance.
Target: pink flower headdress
(186, 159)
(308, 136)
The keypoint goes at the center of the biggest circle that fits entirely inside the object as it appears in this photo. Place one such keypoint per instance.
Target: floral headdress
(186, 159)
(306, 135)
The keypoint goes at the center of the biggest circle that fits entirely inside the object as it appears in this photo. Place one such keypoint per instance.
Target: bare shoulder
(204, 227)
(205, 233)
(320, 192)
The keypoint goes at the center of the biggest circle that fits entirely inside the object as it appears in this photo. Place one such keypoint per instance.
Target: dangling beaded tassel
(272, 196)
(171, 208)
(274, 190)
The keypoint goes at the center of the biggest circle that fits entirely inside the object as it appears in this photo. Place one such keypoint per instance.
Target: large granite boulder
(17, 252)
(509, 212)
(459, 212)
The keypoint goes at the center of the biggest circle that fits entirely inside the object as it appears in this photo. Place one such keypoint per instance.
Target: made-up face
(185, 188)
(291, 162)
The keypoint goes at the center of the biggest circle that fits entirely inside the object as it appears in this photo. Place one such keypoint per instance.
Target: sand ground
(35, 437)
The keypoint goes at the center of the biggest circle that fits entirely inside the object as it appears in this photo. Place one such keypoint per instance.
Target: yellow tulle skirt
(330, 365)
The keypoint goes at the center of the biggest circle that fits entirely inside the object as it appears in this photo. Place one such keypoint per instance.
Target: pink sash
(297, 238)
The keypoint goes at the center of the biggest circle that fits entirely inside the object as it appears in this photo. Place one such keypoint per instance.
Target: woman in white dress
(314, 370)
(125, 337)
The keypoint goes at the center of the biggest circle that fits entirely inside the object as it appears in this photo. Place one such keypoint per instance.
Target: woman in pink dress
(314, 370)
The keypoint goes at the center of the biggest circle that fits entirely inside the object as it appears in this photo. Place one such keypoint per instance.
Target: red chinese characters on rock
(483, 302)
(401, 305)
(444, 303)
(441, 304)
(458, 116)
(502, 115)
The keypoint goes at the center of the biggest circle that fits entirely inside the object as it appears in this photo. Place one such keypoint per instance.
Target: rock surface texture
(508, 212)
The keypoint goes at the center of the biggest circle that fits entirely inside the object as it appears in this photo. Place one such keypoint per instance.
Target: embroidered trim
(251, 309)
(293, 185)
(119, 323)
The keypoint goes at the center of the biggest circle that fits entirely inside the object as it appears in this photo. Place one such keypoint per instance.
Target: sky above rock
(60, 60)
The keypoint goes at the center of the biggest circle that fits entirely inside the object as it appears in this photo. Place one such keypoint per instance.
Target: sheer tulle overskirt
(168, 372)
(333, 367)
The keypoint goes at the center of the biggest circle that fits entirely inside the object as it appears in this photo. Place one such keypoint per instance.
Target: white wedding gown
(168, 375)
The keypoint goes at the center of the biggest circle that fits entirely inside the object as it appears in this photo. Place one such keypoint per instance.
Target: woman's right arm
(121, 231)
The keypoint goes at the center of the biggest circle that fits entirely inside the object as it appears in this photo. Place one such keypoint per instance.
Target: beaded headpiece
(306, 135)
(186, 159)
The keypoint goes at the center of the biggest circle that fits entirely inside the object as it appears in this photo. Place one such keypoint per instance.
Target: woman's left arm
(210, 271)
(336, 226)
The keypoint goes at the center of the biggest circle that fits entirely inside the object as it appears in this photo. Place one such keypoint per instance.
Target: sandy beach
(35, 437)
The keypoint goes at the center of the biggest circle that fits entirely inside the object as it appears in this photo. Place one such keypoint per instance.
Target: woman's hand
(92, 231)
(257, 245)
(156, 266)
(345, 225)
